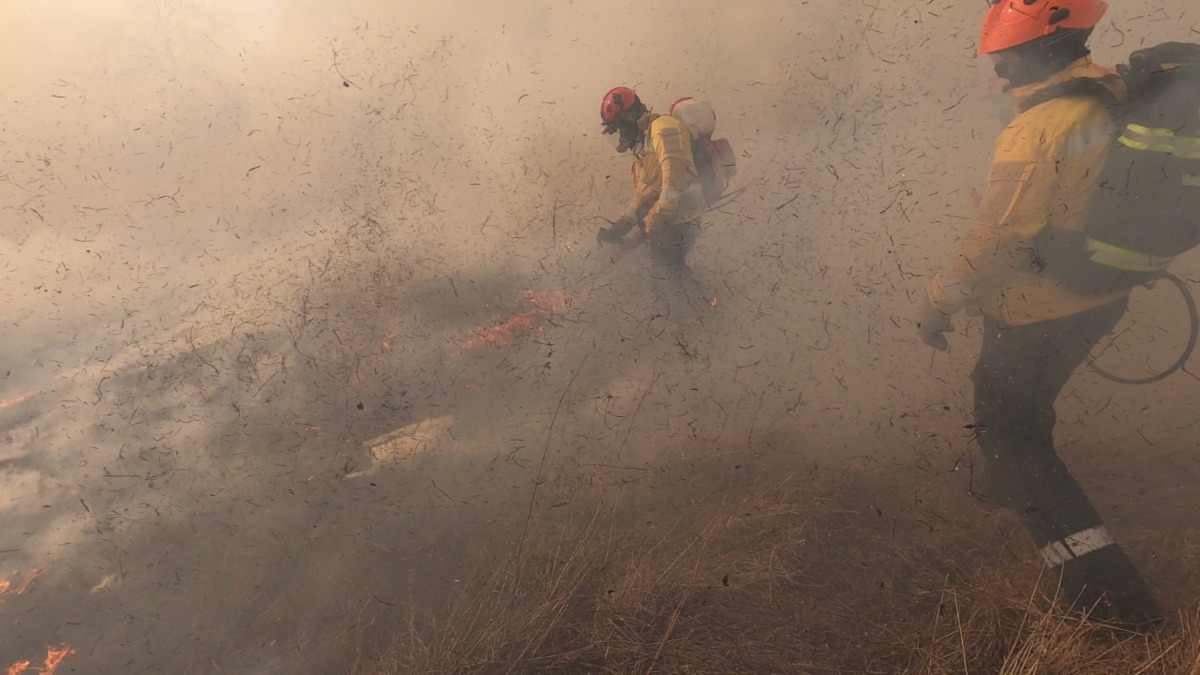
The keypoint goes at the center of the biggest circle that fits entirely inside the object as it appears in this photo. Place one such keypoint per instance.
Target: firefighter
(1038, 329)
(667, 196)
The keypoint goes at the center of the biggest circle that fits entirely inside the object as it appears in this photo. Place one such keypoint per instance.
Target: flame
(16, 400)
(6, 585)
(392, 332)
(33, 574)
(501, 334)
(54, 658)
(541, 304)
(549, 302)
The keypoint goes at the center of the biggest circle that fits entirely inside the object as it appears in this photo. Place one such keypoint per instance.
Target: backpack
(1146, 208)
(715, 161)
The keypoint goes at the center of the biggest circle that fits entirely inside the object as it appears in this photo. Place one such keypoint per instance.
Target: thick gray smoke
(245, 241)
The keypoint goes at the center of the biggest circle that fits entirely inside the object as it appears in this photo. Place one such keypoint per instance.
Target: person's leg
(669, 246)
(677, 292)
(1020, 372)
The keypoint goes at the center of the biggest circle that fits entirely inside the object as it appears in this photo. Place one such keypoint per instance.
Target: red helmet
(617, 101)
(1014, 22)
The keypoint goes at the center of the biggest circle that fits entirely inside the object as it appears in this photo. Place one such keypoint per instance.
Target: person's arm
(1020, 196)
(643, 195)
(673, 150)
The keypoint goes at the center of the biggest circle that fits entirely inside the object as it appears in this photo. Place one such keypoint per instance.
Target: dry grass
(988, 628)
(783, 583)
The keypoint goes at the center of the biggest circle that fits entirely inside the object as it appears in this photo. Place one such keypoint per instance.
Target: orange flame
(16, 400)
(54, 658)
(393, 331)
(522, 325)
(548, 302)
(6, 585)
(501, 334)
(33, 574)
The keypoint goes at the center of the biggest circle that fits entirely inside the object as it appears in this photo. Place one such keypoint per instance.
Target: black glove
(616, 233)
(608, 236)
(933, 324)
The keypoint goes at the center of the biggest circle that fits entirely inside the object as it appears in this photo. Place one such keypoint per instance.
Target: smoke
(244, 241)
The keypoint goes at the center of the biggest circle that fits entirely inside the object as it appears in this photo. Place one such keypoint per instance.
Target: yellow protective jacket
(665, 187)
(1043, 173)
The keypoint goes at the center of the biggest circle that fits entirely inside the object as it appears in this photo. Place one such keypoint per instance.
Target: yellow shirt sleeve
(673, 150)
(1020, 198)
(644, 193)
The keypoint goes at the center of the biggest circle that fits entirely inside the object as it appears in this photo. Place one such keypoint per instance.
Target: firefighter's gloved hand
(616, 233)
(933, 324)
(608, 236)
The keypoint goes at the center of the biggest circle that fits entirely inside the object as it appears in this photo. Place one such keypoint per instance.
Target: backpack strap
(1132, 78)
(1103, 89)
(1162, 57)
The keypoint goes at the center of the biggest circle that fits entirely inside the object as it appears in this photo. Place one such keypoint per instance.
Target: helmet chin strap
(630, 133)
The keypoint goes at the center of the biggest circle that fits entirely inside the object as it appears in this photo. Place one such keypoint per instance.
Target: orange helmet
(1015, 22)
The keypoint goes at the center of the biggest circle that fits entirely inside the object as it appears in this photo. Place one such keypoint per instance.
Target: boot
(1105, 585)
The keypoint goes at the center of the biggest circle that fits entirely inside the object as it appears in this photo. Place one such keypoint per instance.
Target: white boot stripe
(1076, 545)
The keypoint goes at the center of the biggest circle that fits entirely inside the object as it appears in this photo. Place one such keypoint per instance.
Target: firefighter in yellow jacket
(1037, 328)
(667, 195)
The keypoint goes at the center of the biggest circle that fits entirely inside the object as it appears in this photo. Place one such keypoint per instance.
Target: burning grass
(785, 582)
(534, 308)
(13, 401)
(18, 584)
(54, 658)
(8, 587)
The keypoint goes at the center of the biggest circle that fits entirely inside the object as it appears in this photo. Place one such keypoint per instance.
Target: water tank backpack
(1146, 209)
(716, 163)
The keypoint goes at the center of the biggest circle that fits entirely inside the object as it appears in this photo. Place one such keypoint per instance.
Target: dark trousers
(676, 292)
(1020, 372)
(669, 246)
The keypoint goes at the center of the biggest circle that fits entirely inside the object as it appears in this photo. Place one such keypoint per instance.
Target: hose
(1193, 336)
